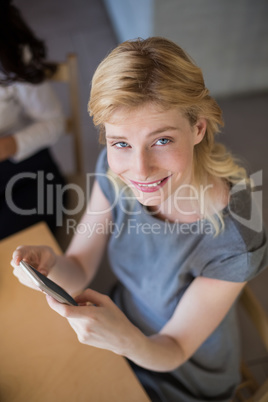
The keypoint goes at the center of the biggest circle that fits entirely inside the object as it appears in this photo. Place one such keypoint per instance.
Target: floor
(83, 27)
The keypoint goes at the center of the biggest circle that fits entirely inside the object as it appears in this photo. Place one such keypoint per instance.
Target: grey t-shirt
(155, 261)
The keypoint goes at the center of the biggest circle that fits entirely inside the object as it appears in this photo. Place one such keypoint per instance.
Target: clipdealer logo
(50, 197)
(255, 220)
(47, 193)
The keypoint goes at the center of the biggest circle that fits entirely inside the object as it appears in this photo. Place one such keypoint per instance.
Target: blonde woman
(167, 200)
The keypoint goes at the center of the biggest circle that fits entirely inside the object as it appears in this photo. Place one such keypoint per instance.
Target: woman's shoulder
(244, 212)
(239, 252)
(102, 162)
(241, 210)
(107, 181)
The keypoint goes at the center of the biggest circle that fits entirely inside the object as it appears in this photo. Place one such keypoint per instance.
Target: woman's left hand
(101, 324)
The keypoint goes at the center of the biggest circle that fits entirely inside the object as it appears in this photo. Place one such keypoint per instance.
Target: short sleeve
(238, 268)
(235, 262)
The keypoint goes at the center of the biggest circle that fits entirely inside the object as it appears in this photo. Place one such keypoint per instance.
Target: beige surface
(40, 356)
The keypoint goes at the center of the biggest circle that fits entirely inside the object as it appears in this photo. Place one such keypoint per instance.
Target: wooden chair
(67, 72)
(249, 390)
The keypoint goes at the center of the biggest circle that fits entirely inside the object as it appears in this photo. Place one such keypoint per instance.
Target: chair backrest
(67, 72)
(249, 390)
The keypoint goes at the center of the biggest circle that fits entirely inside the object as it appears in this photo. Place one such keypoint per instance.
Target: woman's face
(152, 151)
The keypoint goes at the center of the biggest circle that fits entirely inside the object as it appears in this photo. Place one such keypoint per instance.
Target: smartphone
(47, 285)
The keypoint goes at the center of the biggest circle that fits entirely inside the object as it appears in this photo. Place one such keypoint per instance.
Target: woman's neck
(194, 204)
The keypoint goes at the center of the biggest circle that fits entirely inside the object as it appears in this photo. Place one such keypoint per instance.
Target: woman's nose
(142, 165)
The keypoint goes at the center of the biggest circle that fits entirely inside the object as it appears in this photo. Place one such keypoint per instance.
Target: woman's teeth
(150, 185)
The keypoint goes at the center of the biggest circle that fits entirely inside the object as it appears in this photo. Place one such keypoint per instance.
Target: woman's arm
(87, 246)
(41, 105)
(76, 269)
(199, 312)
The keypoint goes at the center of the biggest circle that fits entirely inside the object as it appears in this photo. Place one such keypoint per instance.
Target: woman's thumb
(90, 296)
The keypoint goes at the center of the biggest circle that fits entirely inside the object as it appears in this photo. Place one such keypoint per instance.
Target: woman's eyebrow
(162, 130)
(114, 137)
(158, 131)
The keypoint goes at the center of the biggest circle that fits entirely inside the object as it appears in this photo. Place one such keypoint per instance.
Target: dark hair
(16, 38)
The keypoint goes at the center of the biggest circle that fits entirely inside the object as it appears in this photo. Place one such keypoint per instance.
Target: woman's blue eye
(162, 141)
(121, 144)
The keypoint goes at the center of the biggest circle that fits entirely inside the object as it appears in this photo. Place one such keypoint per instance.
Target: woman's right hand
(41, 258)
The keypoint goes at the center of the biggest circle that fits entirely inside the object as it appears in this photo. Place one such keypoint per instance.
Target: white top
(32, 114)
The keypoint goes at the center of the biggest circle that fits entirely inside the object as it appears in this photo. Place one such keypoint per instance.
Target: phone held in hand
(47, 285)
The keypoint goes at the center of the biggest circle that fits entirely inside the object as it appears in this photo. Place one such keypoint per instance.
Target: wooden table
(41, 359)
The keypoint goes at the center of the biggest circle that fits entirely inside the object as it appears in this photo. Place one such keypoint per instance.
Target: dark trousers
(28, 193)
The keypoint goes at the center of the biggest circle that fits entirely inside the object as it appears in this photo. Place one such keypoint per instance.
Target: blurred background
(227, 39)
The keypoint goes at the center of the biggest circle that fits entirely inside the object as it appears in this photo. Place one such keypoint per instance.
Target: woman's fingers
(19, 254)
(70, 312)
(23, 277)
(40, 257)
(91, 296)
(89, 299)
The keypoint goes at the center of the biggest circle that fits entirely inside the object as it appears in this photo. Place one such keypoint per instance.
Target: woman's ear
(200, 130)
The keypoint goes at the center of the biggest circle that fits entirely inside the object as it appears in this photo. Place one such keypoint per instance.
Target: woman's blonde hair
(158, 71)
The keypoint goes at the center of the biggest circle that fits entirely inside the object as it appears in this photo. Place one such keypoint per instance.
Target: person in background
(174, 207)
(31, 120)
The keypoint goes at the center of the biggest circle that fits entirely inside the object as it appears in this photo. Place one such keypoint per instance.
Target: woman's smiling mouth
(151, 186)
